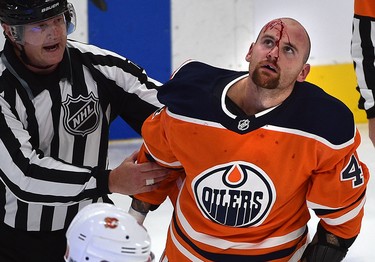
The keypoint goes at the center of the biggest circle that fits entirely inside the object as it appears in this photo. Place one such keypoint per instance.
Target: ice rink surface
(157, 221)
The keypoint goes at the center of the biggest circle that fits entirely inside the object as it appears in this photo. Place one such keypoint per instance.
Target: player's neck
(252, 99)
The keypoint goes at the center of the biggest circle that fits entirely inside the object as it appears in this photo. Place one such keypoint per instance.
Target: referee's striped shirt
(54, 132)
(363, 54)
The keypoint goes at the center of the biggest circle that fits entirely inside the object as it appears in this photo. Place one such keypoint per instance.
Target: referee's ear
(7, 32)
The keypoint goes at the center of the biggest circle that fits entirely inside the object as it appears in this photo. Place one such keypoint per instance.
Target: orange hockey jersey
(251, 179)
(364, 8)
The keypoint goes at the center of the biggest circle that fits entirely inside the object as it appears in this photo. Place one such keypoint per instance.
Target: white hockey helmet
(104, 233)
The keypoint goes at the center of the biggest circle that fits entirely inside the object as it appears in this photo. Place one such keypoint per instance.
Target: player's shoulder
(196, 69)
(194, 77)
(193, 86)
(316, 99)
(321, 114)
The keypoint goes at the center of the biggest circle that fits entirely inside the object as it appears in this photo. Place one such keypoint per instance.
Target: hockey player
(58, 98)
(363, 53)
(103, 232)
(259, 148)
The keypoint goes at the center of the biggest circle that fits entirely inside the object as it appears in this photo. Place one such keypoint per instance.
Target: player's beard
(265, 80)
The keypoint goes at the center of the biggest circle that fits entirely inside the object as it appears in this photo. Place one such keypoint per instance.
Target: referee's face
(43, 44)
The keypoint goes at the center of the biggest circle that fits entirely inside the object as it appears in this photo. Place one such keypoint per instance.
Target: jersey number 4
(353, 171)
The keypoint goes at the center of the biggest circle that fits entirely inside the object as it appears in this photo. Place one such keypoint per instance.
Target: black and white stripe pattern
(48, 172)
(363, 53)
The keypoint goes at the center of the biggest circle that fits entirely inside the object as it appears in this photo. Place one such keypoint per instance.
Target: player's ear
(304, 72)
(248, 55)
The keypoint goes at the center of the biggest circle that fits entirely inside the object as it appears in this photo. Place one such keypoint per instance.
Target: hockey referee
(57, 100)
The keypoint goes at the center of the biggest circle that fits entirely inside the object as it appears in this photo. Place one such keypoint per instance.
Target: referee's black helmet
(21, 12)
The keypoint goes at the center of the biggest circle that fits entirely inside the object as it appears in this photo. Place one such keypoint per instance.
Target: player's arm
(337, 196)
(139, 210)
(156, 149)
(326, 247)
(145, 202)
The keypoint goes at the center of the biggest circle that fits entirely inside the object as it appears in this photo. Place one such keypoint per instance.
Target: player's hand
(130, 178)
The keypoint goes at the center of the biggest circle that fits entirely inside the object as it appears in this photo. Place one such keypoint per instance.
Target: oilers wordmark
(235, 206)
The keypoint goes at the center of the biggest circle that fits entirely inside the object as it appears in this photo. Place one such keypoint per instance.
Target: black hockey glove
(324, 253)
(327, 247)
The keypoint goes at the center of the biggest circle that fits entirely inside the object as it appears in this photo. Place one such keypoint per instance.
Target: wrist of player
(139, 216)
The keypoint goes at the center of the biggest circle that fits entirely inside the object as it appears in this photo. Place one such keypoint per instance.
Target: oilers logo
(237, 194)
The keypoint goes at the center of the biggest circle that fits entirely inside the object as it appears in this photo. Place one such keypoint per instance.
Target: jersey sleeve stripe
(346, 217)
(175, 164)
(312, 136)
(194, 120)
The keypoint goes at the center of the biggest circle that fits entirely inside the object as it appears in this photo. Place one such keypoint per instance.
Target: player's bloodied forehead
(290, 31)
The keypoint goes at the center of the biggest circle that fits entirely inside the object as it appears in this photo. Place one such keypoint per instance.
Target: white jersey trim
(312, 136)
(267, 127)
(346, 217)
(171, 164)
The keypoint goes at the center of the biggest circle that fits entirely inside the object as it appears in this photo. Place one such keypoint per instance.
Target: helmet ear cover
(70, 18)
(16, 33)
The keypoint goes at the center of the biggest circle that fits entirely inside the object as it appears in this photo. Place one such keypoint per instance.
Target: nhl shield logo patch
(81, 114)
(243, 124)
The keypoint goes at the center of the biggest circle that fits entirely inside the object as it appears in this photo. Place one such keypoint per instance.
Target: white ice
(157, 221)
